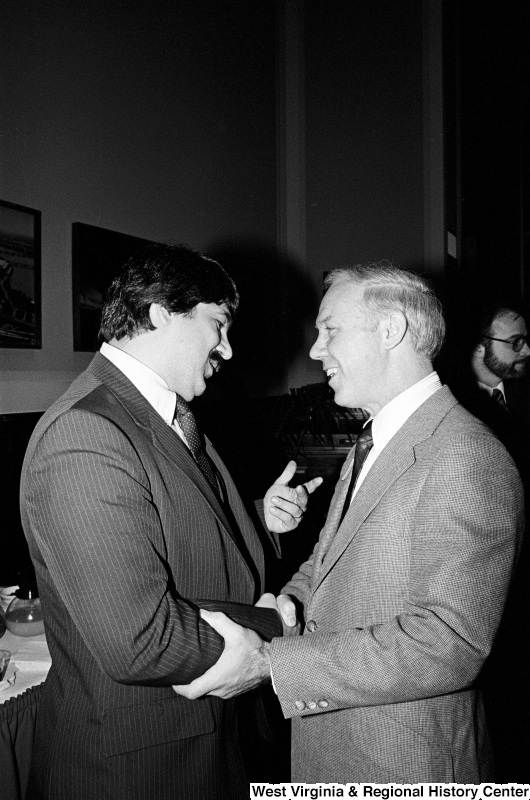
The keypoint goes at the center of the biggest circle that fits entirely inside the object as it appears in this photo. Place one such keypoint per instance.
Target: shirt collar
(149, 383)
(491, 389)
(392, 416)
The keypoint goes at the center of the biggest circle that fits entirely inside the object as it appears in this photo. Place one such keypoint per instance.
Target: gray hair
(387, 289)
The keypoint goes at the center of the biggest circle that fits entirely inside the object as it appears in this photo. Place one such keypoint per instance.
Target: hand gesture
(284, 506)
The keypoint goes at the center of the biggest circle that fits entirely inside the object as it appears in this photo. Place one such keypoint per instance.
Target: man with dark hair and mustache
(134, 525)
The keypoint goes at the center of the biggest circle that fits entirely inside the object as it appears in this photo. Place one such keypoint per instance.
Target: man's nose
(317, 351)
(225, 348)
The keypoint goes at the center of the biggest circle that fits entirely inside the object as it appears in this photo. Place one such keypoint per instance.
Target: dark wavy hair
(489, 314)
(172, 275)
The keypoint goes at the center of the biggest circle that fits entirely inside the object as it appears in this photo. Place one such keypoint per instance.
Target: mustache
(215, 360)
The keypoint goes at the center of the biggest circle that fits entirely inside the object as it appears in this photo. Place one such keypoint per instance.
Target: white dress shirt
(393, 416)
(491, 389)
(149, 384)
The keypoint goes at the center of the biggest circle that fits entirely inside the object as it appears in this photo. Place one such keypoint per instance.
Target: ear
(160, 317)
(479, 352)
(394, 328)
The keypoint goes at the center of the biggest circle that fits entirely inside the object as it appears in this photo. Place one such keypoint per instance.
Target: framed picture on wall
(97, 256)
(20, 265)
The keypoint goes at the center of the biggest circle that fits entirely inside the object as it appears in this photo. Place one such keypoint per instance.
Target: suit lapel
(397, 457)
(164, 438)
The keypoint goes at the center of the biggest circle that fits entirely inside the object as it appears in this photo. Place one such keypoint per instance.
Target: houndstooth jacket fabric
(401, 604)
(128, 540)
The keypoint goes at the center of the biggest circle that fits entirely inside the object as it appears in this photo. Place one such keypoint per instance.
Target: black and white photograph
(264, 399)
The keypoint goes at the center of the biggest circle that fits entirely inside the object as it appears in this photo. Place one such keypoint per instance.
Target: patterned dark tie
(363, 446)
(500, 399)
(186, 420)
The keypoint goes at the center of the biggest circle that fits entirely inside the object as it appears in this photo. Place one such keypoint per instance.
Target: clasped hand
(244, 662)
(283, 505)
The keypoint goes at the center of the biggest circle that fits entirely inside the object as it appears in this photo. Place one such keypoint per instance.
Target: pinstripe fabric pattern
(128, 539)
(405, 596)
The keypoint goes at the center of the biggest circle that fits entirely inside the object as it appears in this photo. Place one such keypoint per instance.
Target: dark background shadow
(239, 410)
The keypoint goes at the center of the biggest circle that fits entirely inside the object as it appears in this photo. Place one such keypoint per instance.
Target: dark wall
(152, 119)
(488, 81)
(364, 125)
(158, 120)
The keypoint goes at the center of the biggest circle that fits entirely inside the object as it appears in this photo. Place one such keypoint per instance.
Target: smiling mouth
(331, 372)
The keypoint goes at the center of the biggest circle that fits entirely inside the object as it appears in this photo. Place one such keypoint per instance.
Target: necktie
(187, 422)
(499, 398)
(362, 447)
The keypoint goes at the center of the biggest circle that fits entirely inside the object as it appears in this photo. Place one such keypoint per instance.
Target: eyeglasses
(517, 344)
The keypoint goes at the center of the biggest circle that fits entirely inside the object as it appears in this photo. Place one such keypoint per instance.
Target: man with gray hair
(404, 591)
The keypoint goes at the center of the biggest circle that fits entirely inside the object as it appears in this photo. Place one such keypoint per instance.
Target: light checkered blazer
(128, 539)
(402, 602)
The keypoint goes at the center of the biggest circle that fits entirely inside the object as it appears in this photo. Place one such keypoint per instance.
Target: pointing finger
(287, 474)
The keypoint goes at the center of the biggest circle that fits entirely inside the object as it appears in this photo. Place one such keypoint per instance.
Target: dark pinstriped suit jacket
(128, 540)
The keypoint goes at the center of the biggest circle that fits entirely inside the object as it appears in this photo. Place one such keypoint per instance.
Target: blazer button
(311, 625)
(311, 705)
(299, 704)
(323, 704)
